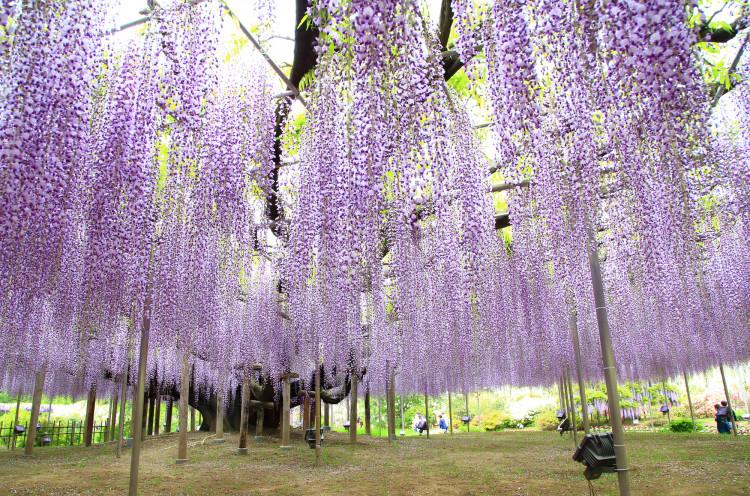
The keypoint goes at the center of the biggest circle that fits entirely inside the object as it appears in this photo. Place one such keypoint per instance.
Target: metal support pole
(610, 373)
(729, 400)
(666, 400)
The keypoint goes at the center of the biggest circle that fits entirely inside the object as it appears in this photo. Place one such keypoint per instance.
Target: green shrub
(681, 425)
(546, 420)
(494, 420)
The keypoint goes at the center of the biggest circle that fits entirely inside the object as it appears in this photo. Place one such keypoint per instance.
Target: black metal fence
(57, 433)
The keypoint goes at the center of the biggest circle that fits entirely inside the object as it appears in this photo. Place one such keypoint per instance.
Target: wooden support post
(401, 405)
(579, 371)
(15, 420)
(244, 414)
(285, 410)
(326, 414)
(259, 418)
(168, 420)
(427, 412)
(466, 400)
(219, 415)
(139, 394)
(690, 400)
(36, 403)
(151, 408)
(192, 419)
(108, 421)
(113, 418)
(306, 410)
(565, 397)
(729, 400)
(157, 415)
(608, 359)
(450, 413)
(368, 425)
(353, 410)
(144, 417)
(121, 423)
(73, 433)
(572, 400)
(184, 406)
(392, 407)
(318, 447)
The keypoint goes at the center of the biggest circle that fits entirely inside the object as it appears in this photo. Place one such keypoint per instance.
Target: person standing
(730, 416)
(721, 419)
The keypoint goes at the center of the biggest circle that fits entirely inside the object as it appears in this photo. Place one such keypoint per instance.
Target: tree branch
(445, 23)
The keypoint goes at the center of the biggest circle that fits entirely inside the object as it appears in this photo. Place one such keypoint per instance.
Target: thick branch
(446, 22)
(304, 61)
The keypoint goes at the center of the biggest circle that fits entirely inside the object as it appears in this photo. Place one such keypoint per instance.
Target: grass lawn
(512, 463)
